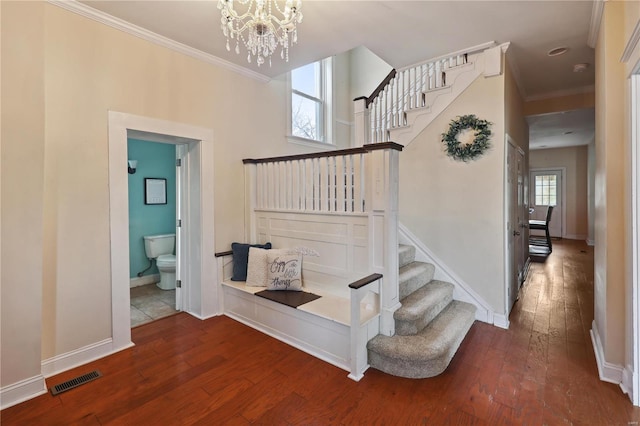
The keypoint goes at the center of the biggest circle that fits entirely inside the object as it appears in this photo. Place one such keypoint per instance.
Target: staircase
(409, 99)
(430, 325)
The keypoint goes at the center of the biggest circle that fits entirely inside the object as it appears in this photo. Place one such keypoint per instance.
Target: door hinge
(178, 283)
(179, 223)
(178, 162)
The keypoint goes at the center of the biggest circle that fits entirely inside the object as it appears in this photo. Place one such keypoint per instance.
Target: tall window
(546, 186)
(310, 100)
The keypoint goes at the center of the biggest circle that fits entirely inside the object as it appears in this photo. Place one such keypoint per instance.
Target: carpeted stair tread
(413, 276)
(406, 255)
(427, 353)
(422, 306)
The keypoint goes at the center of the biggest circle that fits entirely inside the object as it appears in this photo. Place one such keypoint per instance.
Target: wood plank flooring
(184, 371)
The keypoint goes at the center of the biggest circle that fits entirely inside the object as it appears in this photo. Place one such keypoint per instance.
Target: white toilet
(160, 247)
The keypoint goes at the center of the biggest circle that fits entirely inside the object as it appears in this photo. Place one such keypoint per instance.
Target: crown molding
(561, 93)
(631, 44)
(594, 25)
(122, 25)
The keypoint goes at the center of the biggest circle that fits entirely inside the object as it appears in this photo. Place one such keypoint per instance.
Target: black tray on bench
(288, 297)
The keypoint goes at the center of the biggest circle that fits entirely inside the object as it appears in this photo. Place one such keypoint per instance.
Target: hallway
(186, 371)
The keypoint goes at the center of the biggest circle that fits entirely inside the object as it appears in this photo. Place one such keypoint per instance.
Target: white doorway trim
(633, 388)
(563, 202)
(203, 301)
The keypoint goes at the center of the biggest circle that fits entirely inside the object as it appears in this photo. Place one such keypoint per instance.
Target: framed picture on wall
(155, 191)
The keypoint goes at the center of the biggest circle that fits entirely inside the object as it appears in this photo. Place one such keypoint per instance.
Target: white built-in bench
(341, 205)
(334, 327)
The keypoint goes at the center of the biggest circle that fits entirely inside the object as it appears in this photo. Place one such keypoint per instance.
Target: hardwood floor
(185, 371)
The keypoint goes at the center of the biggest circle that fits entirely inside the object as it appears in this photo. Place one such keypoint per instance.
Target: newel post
(361, 121)
(250, 200)
(382, 193)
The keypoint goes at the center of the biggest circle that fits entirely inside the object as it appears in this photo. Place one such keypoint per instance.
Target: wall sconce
(132, 166)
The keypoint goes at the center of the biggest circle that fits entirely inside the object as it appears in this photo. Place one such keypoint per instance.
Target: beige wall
(631, 18)
(61, 74)
(515, 124)
(367, 72)
(560, 103)
(22, 156)
(456, 208)
(575, 161)
(343, 110)
(610, 185)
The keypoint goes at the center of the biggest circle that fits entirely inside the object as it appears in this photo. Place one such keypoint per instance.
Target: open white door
(522, 217)
(180, 202)
(513, 226)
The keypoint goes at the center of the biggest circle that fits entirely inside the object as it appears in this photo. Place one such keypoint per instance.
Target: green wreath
(469, 151)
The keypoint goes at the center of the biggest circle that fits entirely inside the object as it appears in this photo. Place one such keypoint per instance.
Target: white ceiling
(400, 32)
(558, 130)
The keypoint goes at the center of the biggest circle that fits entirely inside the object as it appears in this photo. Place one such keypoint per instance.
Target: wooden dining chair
(542, 225)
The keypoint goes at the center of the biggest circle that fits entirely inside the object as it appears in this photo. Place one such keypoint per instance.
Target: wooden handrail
(364, 281)
(381, 86)
(336, 153)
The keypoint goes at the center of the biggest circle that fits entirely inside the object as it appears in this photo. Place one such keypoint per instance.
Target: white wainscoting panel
(341, 241)
(320, 337)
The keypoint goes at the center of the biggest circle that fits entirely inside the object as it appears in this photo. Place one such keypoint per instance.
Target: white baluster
(331, 165)
(409, 90)
(387, 110)
(357, 183)
(308, 184)
(316, 184)
(348, 195)
(271, 185)
(423, 80)
(379, 128)
(324, 184)
(289, 182)
(403, 95)
(394, 103)
(372, 122)
(297, 183)
(432, 76)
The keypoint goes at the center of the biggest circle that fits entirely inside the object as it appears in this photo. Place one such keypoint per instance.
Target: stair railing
(401, 91)
(358, 181)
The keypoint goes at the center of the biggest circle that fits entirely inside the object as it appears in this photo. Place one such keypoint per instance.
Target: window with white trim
(545, 190)
(310, 102)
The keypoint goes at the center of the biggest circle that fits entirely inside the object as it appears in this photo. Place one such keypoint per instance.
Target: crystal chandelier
(259, 30)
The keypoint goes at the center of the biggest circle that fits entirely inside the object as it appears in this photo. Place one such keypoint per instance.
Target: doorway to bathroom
(196, 267)
(154, 188)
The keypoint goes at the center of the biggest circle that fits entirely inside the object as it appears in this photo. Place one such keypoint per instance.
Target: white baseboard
(462, 290)
(78, 357)
(501, 321)
(591, 242)
(575, 236)
(202, 318)
(627, 382)
(22, 391)
(608, 372)
(144, 280)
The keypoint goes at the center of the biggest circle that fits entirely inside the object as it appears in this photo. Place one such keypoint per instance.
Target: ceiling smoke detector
(580, 67)
(558, 51)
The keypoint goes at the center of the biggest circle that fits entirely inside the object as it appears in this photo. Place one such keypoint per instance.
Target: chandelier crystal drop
(259, 30)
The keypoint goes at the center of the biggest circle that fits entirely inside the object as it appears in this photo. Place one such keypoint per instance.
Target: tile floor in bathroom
(149, 303)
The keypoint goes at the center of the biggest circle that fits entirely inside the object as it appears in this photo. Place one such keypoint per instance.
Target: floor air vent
(74, 383)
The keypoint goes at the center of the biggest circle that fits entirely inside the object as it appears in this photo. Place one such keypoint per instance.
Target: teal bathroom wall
(155, 160)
